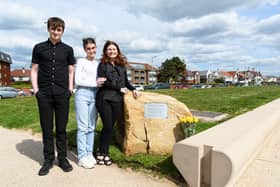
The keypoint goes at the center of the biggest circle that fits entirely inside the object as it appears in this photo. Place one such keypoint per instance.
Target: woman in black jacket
(109, 99)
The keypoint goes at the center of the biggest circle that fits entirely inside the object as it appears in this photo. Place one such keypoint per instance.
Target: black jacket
(116, 79)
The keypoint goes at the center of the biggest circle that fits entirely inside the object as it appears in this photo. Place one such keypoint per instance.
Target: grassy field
(23, 113)
(231, 100)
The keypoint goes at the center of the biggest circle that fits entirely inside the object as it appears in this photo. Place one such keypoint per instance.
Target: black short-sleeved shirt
(53, 61)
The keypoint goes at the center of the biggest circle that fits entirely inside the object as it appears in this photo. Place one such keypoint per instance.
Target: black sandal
(100, 159)
(107, 160)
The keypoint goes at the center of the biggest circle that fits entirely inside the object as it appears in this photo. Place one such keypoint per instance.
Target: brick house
(229, 77)
(192, 77)
(206, 76)
(141, 74)
(20, 75)
(5, 69)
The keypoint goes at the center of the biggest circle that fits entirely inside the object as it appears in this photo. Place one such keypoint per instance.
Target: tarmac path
(264, 169)
(21, 158)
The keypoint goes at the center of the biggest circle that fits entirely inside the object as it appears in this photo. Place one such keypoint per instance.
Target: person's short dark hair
(55, 22)
(87, 41)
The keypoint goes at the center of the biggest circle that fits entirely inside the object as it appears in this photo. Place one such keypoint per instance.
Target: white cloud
(17, 16)
(167, 10)
(270, 25)
(206, 34)
(203, 26)
(146, 45)
(16, 41)
(225, 24)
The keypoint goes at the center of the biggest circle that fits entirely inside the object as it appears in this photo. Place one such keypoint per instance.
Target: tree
(172, 70)
(219, 80)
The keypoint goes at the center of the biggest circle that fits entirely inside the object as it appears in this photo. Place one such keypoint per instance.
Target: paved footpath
(21, 156)
(264, 170)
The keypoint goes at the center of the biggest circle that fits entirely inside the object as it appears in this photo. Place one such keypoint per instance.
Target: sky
(207, 34)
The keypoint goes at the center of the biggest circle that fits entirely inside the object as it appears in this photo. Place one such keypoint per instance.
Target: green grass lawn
(231, 100)
(23, 113)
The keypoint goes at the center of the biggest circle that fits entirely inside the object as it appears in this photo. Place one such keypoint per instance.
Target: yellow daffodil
(188, 119)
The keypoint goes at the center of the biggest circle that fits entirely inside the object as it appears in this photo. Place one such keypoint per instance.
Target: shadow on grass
(167, 168)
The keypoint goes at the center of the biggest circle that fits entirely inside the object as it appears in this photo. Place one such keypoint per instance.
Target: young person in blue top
(110, 96)
(86, 114)
(52, 75)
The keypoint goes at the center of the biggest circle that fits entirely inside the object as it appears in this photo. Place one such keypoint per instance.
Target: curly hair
(119, 60)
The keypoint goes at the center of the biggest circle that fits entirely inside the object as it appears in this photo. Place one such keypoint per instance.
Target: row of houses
(145, 74)
(138, 73)
(227, 77)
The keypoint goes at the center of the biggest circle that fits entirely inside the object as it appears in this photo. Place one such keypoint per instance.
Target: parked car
(139, 87)
(163, 85)
(180, 86)
(196, 86)
(21, 93)
(148, 87)
(8, 92)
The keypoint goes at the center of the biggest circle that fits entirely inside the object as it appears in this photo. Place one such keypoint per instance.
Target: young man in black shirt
(52, 81)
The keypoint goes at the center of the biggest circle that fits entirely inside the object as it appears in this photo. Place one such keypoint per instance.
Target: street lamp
(153, 78)
(153, 58)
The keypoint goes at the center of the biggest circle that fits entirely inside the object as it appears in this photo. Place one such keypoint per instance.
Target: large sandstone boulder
(148, 135)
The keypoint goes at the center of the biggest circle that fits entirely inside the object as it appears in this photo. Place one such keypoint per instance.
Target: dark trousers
(51, 106)
(110, 112)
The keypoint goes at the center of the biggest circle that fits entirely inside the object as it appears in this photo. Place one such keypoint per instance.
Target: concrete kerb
(217, 156)
(209, 116)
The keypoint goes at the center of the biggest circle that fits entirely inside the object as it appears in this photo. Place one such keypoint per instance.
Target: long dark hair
(119, 60)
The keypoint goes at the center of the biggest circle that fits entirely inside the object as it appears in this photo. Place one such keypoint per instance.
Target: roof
(139, 65)
(203, 73)
(5, 58)
(241, 75)
(191, 73)
(226, 74)
(232, 73)
(20, 73)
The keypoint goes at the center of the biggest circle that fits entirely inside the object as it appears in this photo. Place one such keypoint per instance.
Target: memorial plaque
(155, 110)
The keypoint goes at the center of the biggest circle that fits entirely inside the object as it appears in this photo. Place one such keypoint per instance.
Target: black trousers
(110, 112)
(51, 106)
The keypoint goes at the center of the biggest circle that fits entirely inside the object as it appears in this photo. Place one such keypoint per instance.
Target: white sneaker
(86, 163)
(92, 159)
